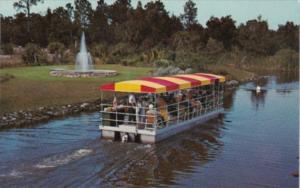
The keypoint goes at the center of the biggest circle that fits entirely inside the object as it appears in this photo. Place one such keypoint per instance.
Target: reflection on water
(258, 98)
(253, 144)
(229, 99)
(173, 158)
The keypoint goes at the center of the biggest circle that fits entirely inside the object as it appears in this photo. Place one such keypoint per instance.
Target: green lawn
(33, 87)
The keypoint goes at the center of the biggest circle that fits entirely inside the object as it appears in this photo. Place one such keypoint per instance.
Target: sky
(274, 11)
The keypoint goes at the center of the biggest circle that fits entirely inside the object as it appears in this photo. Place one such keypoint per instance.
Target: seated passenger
(151, 115)
(180, 110)
(114, 103)
(140, 113)
(162, 108)
(196, 105)
(131, 109)
(121, 112)
(172, 107)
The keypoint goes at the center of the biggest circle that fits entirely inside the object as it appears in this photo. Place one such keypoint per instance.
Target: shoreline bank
(26, 118)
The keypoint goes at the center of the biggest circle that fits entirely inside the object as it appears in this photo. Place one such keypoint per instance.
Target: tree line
(144, 27)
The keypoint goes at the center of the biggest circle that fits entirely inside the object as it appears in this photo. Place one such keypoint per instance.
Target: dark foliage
(34, 55)
(125, 29)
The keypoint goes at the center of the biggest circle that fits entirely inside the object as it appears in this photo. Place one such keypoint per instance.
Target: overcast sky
(274, 11)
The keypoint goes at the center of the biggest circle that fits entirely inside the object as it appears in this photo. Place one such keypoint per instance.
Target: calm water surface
(253, 144)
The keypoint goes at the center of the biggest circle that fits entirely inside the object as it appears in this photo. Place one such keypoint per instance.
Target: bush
(7, 49)
(113, 60)
(214, 47)
(171, 70)
(134, 60)
(58, 50)
(187, 41)
(122, 49)
(56, 47)
(286, 58)
(193, 60)
(99, 50)
(161, 63)
(33, 55)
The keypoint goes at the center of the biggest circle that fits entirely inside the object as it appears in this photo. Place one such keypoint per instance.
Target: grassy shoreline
(28, 88)
(32, 87)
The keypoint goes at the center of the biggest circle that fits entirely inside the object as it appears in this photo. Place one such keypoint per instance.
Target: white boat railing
(163, 116)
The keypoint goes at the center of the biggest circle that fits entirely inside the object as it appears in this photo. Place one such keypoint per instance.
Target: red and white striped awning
(163, 84)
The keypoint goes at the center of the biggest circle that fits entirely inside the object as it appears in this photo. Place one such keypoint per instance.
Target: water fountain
(83, 58)
(83, 65)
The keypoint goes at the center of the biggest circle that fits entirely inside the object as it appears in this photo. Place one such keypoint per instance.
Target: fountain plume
(83, 59)
(83, 65)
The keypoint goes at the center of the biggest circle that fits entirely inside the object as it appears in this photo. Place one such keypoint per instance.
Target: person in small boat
(131, 109)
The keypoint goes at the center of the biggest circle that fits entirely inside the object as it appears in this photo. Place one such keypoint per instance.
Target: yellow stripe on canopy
(204, 81)
(221, 78)
(182, 83)
(136, 85)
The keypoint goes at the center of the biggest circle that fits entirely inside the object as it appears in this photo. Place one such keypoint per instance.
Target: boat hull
(153, 136)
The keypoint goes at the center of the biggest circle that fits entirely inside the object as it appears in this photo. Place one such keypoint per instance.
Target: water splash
(83, 59)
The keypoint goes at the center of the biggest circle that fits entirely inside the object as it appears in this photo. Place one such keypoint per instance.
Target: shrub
(7, 49)
(122, 49)
(113, 60)
(33, 55)
(187, 41)
(58, 50)
(171, 70)
(99, 50)
(134, 60)
(287, 59)
(193, 60)
(56, 47)
(161, 63)
(214, 47)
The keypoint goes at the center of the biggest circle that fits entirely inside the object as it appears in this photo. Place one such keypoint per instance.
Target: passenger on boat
(145, 104)
(162, 108)
(141, 113)
(120, 111)
(196, 106)
(131, 109)
(151, 114)
(180, 110)
(172, 110)
(172, 107)
(114, 104)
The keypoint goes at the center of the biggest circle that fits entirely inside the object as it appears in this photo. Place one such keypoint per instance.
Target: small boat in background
(258, 89)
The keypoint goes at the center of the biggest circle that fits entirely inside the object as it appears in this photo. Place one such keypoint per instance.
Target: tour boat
(151, 109)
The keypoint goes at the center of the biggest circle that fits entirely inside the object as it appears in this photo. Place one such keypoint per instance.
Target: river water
(253, 144)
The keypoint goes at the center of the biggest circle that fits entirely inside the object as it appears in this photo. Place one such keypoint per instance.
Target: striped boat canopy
(163, 84)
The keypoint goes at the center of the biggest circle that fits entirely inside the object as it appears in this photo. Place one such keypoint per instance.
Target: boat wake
(12, 174)
(59, 160)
